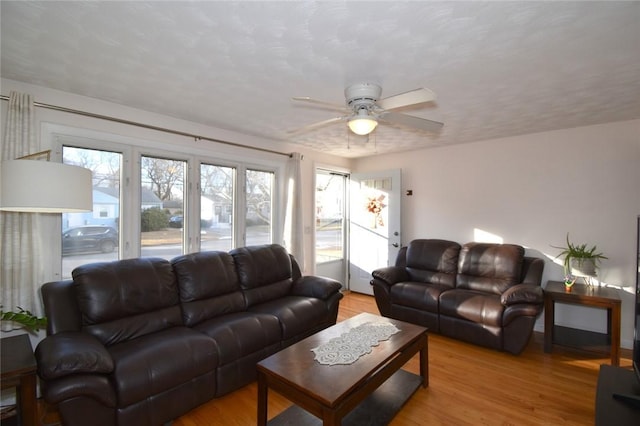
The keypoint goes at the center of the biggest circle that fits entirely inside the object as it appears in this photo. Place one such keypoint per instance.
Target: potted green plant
(26, 319)
(579, 259)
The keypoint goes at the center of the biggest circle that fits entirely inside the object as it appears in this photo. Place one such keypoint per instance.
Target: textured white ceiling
(499, 68)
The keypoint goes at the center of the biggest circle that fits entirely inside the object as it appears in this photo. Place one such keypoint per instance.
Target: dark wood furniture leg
(424, 362)
(549, 322)
(614, 331)
(262, 399)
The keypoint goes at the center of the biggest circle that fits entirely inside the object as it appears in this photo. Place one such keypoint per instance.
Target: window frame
(132, 149)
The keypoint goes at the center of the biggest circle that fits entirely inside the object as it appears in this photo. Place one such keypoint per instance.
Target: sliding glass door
(330, 230)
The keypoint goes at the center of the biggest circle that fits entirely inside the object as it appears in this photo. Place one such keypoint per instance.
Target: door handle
(396, 245)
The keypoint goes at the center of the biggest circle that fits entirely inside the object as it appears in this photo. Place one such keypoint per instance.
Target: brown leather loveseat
(486, 294)
(143, 341)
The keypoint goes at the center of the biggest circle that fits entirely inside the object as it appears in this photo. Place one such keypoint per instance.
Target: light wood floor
(468, 385)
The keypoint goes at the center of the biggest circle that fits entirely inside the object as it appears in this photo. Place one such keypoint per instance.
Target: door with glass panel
(93, 236)
(375, 225)
(330, 230)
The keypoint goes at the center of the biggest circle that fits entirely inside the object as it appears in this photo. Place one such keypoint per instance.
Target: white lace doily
(351, 345)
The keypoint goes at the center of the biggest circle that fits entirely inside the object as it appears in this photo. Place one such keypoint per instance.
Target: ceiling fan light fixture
(362, 124)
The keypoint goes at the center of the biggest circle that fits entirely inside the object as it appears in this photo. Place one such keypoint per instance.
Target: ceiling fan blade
(413, 97)
(326, 105)
(411, 121)
(317, 125)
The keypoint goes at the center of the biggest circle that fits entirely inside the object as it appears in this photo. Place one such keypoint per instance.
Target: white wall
(46, 117)
(532, 190)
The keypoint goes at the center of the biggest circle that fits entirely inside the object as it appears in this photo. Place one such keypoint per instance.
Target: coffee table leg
(262, 399)
(330, 418)
(424, 361)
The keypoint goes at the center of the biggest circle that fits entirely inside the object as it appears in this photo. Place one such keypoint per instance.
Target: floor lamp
(45, 187)
(33, 186)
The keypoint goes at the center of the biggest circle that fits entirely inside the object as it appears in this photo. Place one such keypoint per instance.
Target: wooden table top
(17, 356)
(582, 291)
(296, 366)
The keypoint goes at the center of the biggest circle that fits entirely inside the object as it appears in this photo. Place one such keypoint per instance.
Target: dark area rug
(377, 410)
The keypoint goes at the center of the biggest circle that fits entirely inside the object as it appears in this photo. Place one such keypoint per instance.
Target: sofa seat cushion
(143, 367)
(240, 334)
(417, 295)
(297, 314)
(474, 306)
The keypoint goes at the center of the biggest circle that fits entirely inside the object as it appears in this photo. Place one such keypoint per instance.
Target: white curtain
(22, 271)
(293, 223)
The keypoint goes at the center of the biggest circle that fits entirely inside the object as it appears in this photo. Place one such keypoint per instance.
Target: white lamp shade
(45, 187)
(362, 124)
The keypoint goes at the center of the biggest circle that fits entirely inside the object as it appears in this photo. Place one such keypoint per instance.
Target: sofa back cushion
(208, 285)
(125, 299)
(433, 261)
(264, 271)
(491, 268)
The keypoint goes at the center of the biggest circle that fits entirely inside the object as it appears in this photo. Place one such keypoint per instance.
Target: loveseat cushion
(126, 299)
(264, 272)
(154, 363)
(208, 286)
(474, 306)
(417, 295)
(433, 261)
(491, 268)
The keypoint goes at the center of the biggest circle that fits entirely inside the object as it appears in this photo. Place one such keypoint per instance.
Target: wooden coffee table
(330, 392)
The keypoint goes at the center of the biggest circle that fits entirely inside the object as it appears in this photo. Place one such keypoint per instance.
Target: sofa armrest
(522, 293)
(72, 353)
(314, 286)
(391, 275)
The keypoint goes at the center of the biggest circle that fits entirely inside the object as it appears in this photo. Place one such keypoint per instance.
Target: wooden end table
(583, 295)
(19, 370)
(330, 392)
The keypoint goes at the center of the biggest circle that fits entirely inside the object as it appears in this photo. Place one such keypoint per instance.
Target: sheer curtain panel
(293, 226)
(21, 273)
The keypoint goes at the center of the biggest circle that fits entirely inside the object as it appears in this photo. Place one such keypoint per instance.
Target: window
(217, 198)
(161, 201)
(258, 219)
(83, 241)
(162, 212)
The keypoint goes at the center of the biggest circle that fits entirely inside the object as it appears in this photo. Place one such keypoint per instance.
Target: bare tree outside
(217, 189)
(164, 177)
(259, 193)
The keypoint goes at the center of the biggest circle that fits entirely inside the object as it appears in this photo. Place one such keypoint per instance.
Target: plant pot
(583, 267)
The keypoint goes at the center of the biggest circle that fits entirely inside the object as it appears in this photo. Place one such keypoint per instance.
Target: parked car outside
(90, 238)
(175, 222)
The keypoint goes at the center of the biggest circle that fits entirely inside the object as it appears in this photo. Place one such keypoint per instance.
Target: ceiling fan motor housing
(362, 95)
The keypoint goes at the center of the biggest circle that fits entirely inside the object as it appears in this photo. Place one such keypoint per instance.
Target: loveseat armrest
(315, 286)
(70, 353)
(391, 275)
(523, 293)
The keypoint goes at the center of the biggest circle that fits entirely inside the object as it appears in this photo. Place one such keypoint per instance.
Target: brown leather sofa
(486, 294)
(143, 341)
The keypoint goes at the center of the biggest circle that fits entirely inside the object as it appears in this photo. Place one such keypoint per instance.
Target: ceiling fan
(364, 109)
